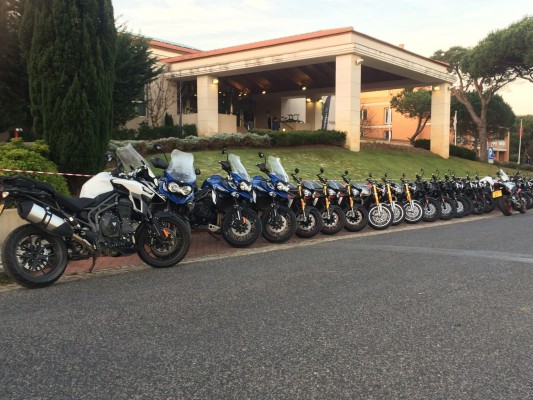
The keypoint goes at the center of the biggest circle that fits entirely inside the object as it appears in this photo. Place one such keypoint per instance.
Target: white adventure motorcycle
(118, 213)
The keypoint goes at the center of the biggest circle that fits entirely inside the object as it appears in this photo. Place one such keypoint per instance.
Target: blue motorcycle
(273, 201)
(220, 205)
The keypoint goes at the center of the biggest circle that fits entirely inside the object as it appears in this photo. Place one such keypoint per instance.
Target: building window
(387, 116)
(141, 104)
(364, 114)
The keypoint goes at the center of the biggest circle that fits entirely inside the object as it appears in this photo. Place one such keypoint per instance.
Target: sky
(423, 26)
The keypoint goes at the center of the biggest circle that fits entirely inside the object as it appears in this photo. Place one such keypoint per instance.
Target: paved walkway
(204, 247)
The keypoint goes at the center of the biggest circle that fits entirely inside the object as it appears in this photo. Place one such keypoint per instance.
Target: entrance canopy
(339, 62)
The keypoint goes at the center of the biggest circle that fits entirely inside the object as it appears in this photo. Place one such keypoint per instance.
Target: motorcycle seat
(73, 203)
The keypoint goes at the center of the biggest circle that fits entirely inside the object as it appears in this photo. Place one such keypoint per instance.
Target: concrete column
(207, 97)
(348, 98)
(440, 120)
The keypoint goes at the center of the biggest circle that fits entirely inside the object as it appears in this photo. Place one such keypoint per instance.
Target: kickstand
(217, 237)
(93, 264)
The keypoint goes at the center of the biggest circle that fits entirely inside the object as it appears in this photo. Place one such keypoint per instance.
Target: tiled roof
(258, 45)
(169, 46)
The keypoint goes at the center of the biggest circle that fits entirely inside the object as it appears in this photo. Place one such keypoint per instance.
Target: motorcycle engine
(203, 213)
(110, 224)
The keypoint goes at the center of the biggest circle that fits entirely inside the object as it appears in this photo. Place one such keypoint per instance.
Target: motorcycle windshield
(130, 158)
(238, 168)
(503, 175)
(275, 167)
(181, 166)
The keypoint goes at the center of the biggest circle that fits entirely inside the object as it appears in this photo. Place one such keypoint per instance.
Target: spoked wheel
(166, 247)
(413, 212)
(380, 217)
(241, 232)
(333, 221)
(34, 258)
(279, 228)
(523, 204)
(398, 214)
(308, 225)
(356, 218)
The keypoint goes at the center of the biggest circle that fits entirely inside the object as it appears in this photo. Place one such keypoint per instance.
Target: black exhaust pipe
(44, 219)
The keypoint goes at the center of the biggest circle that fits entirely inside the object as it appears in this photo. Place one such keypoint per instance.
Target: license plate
(1, 208)
(496, 194)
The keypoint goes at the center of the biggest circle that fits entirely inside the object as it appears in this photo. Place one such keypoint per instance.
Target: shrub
(300, 138)
(462, 152)
(423, 143)
(18, 155)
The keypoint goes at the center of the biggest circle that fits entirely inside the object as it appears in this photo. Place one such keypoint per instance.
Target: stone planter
(9, 220)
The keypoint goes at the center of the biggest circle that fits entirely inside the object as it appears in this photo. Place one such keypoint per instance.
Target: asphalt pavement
(440, 312)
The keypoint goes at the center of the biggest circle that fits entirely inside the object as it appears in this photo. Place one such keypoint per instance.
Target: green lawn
(393, 160)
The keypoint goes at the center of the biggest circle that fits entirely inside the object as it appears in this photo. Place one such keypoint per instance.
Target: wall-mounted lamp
(359, 61)
(263, 92)
(215, 80)
(436, 88)
(304, 87)
(308, 100)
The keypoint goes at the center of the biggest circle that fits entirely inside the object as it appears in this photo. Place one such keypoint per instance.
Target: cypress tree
(69, 46)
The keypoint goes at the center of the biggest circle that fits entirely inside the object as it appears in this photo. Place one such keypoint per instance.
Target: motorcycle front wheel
(431, 210)
(280, 228)
(333, 221)
(166, 248)
(356, 218)
(34, 258)
(413, 212)
(308, 225)
(447, 209)
(398, 214)
(380, 217)
(241, 232)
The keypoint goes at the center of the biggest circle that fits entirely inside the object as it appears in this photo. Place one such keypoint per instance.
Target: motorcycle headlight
(331, 192)
(245, 186)
(173, 187)
(307, 192)
(282, 187)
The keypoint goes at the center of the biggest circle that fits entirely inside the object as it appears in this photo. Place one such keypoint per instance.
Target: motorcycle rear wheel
(244, 232)
(505, 205)
(280, 229)
(166, 252)
(34, 258)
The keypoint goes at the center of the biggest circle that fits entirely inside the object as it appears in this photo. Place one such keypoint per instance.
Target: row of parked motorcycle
(131, 210)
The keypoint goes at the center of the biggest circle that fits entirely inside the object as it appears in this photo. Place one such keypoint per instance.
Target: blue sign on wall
(491, 155)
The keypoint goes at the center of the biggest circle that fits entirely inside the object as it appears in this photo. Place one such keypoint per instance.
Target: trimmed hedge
(194, 143)
(455, 151)
(146, 132)
(235, 140)
(301, 138)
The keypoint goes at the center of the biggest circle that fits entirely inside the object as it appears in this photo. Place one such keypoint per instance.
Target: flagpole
(455, 127)
(520, 141)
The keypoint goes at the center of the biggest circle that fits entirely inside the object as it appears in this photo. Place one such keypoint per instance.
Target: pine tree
(69, 46)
